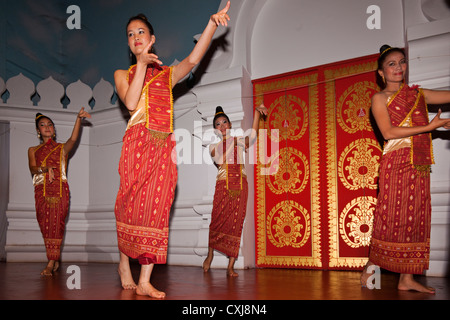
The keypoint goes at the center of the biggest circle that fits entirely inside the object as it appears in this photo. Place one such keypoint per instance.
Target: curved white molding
(234, 42)
(79, 95)
(435, 9)
(102, 93)
(21, 89)
(51, 93)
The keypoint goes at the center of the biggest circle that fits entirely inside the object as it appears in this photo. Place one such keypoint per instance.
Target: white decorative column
(428, 49)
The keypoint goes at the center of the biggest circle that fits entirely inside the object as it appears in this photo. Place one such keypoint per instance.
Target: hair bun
(142, 16)
(219, 110)
(39, 116)
(384, 48)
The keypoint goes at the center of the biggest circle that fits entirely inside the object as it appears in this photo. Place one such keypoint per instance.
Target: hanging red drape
(317, 171)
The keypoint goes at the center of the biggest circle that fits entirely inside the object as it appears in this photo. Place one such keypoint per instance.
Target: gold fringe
(52, 200)
(423, 169)
(171, 99)
(234, 193)
(159, 135)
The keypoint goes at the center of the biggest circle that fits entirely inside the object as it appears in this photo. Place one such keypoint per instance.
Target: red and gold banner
(317, 179)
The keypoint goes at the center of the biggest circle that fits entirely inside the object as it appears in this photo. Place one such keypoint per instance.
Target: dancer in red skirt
(402, 219)
(231, 193)
(48, 165)
(148, 174)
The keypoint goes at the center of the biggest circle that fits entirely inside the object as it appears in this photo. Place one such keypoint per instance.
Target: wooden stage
(22, 281)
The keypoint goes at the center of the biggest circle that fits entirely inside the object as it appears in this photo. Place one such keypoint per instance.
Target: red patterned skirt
(227, 219)
(51, 213)
(148, 179)
(402, 218)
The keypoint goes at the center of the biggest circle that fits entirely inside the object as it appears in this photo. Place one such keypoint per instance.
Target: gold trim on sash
(40, 179)
(141, 113)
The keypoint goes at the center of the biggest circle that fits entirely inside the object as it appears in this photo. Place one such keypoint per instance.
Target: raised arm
(194, 58)
(382, 118)
(259, 111)
(76, 131)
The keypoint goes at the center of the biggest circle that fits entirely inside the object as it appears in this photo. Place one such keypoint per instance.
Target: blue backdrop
(35, 39)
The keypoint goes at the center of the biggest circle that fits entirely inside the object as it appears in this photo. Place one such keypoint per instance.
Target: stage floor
(22, 281)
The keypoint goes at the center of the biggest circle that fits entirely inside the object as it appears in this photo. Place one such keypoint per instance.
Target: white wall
(292, 35)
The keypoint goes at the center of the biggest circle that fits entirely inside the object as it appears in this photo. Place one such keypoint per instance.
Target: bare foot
(207, 264)
(365, 274)
(125, 277)
(146, 289)
(50, 268)
(230, 269)
(47, 272)
(232, 273)
(407, 282)
(56, 266)
(208, 260)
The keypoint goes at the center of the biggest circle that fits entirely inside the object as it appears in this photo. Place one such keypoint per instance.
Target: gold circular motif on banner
(288, 225)
(356, 220)
(289, 115)
(358, 164)
(353, 107)
(289, 172)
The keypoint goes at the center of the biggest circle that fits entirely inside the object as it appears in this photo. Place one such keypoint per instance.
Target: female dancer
(401, 230)
(230, 197)
(48, 165)
(147, 174)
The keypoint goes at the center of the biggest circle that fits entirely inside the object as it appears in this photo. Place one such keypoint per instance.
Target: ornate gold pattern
(353, 107)
(312, 259)
(287, 114)
(292, 172)
(355, 222)
(358, 166)
(335, 260)
(280, 223)
(288, 224)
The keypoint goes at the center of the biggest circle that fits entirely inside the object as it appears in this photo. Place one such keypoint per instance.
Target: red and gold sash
(158, 97)
(408, 106)
(51, 154)
(233, 166)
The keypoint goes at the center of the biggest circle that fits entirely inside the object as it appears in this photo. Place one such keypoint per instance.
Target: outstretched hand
(147, 57)
(437, 122)
(51, 174)
(83, 114)
(262, 110)
(221, 17)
